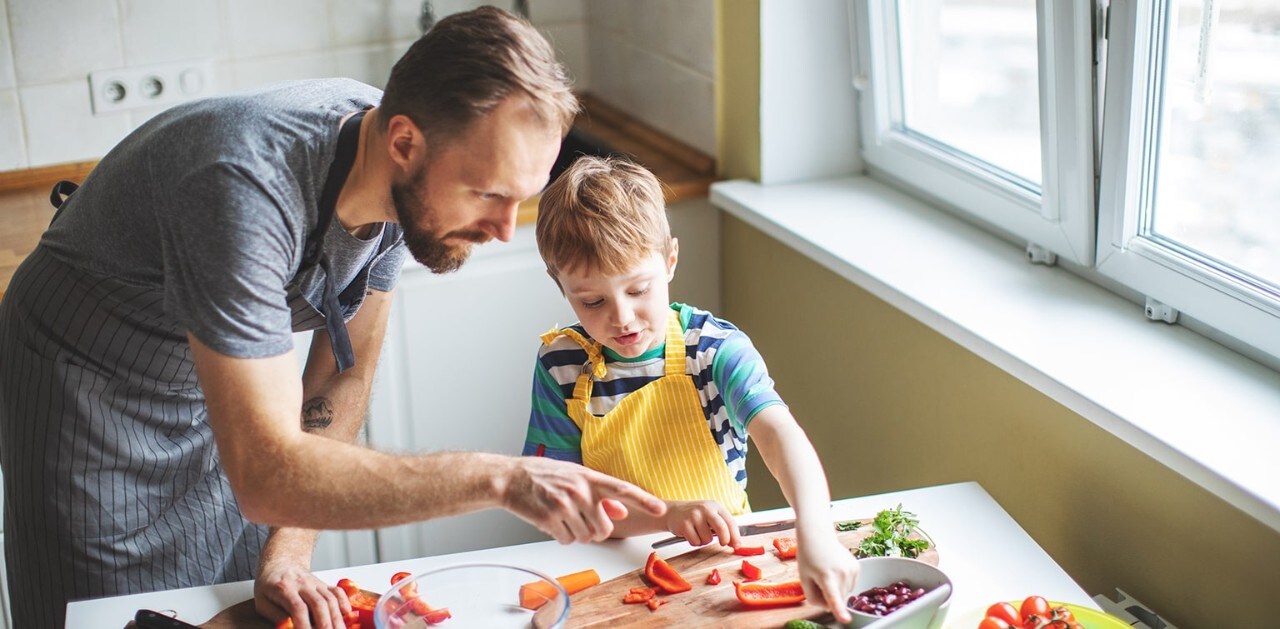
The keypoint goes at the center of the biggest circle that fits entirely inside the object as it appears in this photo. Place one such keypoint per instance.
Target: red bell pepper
(409, 591)
(714, 577)
(761, 595)
(661, 574)
(750, 571)
(639, 595)
(655, 603)
(787, 547)
(748, 551)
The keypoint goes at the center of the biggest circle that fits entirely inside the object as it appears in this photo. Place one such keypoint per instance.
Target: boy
(663, 395)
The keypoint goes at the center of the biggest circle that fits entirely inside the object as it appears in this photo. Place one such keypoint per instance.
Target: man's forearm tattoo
(317, 413)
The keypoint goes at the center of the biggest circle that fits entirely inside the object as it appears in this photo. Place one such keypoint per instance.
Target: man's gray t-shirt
(212, 202)
(194, 223)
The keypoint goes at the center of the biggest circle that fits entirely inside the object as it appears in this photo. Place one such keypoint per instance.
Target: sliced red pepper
(661, 574)
(760, 595)
(287, 623)
(750, 571)
(787, 547)
(714, 577)
(437, 616)
(655, 603)
(639, 595)
(419, 606)
(409, 591)
(748, 551)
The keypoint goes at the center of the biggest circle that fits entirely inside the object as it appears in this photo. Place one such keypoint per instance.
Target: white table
(987, 555)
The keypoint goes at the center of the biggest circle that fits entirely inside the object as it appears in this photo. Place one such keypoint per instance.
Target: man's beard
(425, 245)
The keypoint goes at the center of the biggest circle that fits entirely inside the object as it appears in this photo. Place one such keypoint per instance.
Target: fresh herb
(851, 525)
(802, 623)
(892, 536)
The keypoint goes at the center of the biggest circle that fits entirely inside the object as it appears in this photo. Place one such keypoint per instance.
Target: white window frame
(1060, 217)
(1194, 288)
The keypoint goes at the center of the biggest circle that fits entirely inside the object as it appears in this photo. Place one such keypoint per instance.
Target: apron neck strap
(313, 251)
(675, 352)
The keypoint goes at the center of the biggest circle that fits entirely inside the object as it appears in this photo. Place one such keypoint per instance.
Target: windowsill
(1199, 408)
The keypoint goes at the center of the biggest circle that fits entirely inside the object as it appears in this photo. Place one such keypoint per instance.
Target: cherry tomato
(1006, 612)
(1035, 606)
(991, 622)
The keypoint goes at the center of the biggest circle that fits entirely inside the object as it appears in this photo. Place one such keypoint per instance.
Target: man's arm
(335, 407)
(286, 477)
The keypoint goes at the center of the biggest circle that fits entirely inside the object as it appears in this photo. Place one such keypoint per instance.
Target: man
(149, 399)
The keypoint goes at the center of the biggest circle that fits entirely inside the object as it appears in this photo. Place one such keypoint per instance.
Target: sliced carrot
(536, 594)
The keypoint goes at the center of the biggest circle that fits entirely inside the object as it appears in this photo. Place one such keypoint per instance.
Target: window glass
(970, 80)
(1217, 191)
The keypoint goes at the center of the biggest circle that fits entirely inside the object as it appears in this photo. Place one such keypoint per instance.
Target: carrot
(536, 594)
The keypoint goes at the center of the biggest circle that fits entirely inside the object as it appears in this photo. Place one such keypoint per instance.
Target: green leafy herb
(892, 536)
(803, 623)
(851, 525)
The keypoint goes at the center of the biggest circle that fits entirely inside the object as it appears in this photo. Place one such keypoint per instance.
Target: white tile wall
(652, 58)
(366, 21)
(281, 26)
(547, 12)
(13, 149)
(656, 61)
(61, 40)
(308, 65)
(61, 127)
(7, 78)
(158, 31)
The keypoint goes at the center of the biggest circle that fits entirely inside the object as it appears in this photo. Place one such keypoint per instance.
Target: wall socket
(159, 85)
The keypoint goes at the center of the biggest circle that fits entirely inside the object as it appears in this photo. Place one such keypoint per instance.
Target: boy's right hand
(571, 502)
(700, 522)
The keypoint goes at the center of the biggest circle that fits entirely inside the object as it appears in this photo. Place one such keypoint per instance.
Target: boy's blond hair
(603, 215)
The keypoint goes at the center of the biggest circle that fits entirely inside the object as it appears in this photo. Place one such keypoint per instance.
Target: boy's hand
(571, 502)
(827, 572)
(701, 521)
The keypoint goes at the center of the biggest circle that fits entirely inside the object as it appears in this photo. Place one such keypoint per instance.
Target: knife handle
(148, 619)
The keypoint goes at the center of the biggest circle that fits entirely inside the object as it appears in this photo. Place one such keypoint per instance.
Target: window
(984, 106)
(988, 107)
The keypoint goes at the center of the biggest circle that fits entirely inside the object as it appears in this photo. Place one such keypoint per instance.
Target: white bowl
(883, 571)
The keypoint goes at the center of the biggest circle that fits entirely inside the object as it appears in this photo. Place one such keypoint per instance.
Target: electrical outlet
(160, 85)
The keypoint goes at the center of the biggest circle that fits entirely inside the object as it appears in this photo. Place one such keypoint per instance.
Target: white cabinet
(459, 364)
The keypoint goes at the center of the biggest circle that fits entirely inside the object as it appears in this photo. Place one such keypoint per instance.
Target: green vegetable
(893, 528)
(851, 525)
(802, 623)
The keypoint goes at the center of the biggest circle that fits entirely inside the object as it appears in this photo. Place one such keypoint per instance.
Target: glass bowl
(474, 595)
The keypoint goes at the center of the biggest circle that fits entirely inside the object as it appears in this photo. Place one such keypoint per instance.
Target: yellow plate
(1088, 617)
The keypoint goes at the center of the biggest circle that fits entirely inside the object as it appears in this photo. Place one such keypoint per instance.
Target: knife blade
(743, 530)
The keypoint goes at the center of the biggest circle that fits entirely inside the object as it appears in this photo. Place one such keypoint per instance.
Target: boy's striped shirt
(729, 374)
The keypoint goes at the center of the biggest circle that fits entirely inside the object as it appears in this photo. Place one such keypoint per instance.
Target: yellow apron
(656, 437)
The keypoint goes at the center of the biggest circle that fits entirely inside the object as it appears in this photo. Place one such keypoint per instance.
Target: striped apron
(656, 437)
(113, 484)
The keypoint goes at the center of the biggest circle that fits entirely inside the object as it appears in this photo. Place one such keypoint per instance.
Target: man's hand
(283, 590)
(827, 573)
(701, 521)
(570, 502)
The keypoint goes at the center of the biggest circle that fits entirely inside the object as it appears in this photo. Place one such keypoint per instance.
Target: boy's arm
(551, 432)
(827, 569)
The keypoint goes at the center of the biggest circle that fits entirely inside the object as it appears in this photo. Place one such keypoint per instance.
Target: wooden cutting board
(707, 605)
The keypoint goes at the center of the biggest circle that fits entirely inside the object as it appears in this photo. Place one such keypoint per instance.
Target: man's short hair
(468, 64)
(603, 215)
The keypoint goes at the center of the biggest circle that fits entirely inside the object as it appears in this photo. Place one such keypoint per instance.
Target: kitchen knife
(743, 530)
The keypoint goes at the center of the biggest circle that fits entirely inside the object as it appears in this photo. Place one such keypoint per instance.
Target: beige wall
(890, 404)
